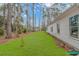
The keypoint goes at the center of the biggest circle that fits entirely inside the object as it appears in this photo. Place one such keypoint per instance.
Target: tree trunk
(7, 21)
(27, 13)
(33, 16)
(18, 19)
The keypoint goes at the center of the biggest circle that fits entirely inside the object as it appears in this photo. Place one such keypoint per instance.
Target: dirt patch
(14, 36)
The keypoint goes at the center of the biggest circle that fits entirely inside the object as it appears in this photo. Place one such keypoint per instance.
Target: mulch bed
(14, 36)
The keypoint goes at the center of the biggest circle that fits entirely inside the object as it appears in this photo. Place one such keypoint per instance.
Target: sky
(37, 13)
(49, 4)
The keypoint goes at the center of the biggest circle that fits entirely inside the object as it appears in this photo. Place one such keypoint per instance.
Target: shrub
(24, 30)
(1, 31)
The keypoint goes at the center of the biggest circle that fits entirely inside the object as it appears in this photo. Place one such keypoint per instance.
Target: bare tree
(33, 16)
(7, 20)
(18, 18)
(28, 17)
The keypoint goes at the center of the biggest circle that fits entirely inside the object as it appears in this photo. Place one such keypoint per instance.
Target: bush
(1, 31)
(24, 30)
(21, 30)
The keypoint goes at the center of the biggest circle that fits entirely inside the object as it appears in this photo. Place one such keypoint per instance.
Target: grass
(35, 44)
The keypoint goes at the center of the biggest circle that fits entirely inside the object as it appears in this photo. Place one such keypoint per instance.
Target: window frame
(52, 29)
(58, 28)
(73, 26)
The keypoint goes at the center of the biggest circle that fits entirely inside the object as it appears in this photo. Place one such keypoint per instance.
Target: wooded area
(11, 20)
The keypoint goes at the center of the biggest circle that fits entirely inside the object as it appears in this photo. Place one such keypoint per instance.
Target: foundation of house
(63, 44)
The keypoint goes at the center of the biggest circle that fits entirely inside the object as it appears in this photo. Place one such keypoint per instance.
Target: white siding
(64, 34)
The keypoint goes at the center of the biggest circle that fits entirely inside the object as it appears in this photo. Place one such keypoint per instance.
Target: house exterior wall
(64, 34)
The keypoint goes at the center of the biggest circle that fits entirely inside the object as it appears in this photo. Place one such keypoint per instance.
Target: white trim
(78, 27)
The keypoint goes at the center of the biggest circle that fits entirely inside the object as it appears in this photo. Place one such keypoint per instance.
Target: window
(74, 26)
(51, 29)
(58, 28)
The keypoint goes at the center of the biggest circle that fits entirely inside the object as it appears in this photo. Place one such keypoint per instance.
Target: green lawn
(35, 44)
